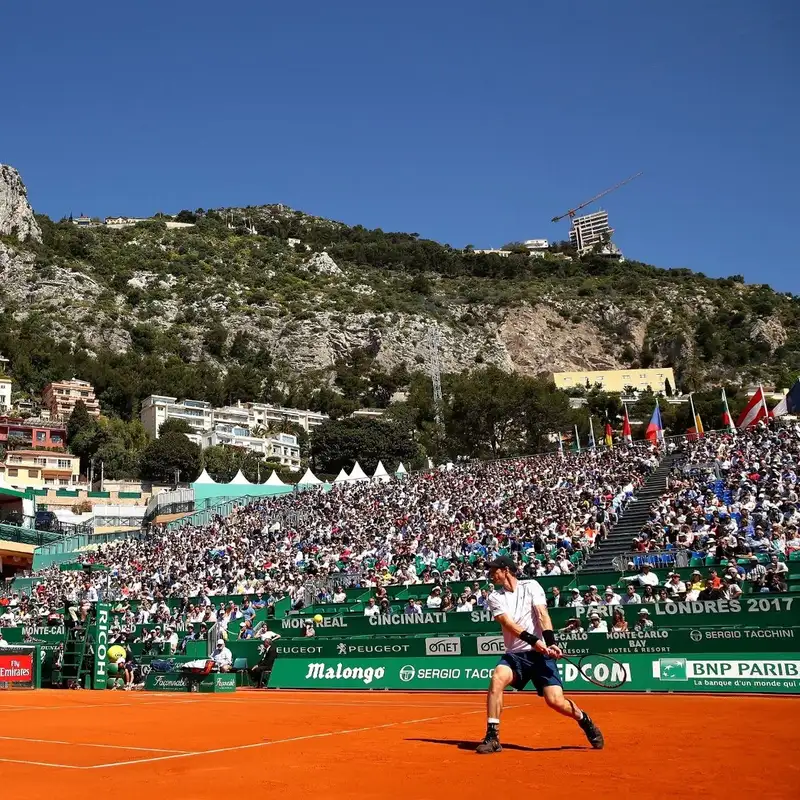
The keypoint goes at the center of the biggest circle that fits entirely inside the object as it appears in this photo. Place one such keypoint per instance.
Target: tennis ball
(318, 618)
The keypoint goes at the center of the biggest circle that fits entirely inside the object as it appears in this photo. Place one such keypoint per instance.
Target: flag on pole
(626, 428)
(790, 404)
(755, 410)
(592, 441)
(727, 419)
(609, 435)
(655, 430)
(698, 423)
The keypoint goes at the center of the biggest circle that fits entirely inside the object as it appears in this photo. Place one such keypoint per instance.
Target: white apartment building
(264, 415)
(5, 394)
(232, 425)
(282, 447)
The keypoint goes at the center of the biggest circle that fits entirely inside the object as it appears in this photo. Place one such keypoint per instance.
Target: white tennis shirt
(518, 607)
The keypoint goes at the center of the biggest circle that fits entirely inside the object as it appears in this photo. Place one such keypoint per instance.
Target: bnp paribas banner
(777, 673)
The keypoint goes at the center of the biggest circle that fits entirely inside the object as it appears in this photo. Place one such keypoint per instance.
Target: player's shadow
(462, 744)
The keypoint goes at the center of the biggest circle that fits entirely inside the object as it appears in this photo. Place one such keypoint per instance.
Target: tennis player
(531, 653)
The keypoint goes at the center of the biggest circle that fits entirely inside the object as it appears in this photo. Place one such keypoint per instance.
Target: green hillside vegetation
(211, 274)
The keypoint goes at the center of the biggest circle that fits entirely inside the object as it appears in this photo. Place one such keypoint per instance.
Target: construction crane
(573, 211)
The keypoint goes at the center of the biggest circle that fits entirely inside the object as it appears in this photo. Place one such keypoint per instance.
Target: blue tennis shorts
(534, 668)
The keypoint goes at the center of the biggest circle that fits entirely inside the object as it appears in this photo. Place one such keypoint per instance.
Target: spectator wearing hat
(675, 587)
(646, 577)
(597, 624)
(610, 597)
(573, 626)
(434, 601)
(222, 657)
(575, 599)
(643, 623)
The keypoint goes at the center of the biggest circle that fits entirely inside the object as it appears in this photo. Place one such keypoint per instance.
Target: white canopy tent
(401, 470)
(309, 479)
(380, 473)
(274, 480)
(342, 476)
(204, 477)
(240, 480)
(358, 474)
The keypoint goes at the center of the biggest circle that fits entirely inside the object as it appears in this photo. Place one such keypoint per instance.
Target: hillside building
(616, 380)
(60, 397)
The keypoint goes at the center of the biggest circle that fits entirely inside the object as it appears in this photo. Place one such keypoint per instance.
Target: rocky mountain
(286, 299)
(16, 215)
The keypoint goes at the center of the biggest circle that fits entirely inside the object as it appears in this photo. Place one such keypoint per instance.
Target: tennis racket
(601, 670)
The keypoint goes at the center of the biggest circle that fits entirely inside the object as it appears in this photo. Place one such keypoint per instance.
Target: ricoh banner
(774, 673)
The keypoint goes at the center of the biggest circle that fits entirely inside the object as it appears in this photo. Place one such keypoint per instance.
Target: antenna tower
(436, 372)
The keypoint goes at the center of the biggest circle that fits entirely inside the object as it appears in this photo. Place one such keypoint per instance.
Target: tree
(79, 420)
(340, 443)
(172, 452)
(222, 462)
(494, 413)
(175, 426)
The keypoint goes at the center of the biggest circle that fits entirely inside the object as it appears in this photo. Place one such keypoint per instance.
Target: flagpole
(728, 410)
(764, 401)
(560, 445)
(695, 420)
(591, 432)
(577, 440)
(660, 423)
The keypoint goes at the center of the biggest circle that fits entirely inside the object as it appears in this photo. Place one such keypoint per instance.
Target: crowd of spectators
(733, 501)
(430, 528)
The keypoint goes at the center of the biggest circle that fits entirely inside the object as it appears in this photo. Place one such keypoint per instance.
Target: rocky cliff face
(16, 215)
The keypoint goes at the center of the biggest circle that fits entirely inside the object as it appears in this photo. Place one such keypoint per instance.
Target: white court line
(78, 707)
(38, 763)
(88, 744)
(279, 741)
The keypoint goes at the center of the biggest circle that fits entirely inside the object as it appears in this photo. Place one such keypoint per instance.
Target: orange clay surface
(286, 744)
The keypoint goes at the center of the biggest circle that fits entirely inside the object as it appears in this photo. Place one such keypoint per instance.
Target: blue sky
(468, 122)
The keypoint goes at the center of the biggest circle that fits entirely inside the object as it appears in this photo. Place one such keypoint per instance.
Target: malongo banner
(738, 672)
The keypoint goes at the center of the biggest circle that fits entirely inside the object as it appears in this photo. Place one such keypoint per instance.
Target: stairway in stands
(631, 522)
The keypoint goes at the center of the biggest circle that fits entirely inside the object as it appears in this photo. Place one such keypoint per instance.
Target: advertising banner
(102, 626)
(17, 668)
(740, 672)
(757, 611)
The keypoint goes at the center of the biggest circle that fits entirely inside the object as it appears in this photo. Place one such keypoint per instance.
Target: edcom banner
(744, 672)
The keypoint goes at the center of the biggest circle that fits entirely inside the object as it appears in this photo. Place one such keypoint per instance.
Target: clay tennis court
(390, 746)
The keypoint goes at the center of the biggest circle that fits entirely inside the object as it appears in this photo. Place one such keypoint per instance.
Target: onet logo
(407, 673)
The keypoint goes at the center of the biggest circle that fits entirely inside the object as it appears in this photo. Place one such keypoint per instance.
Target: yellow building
(616, 380)
(39, 469)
